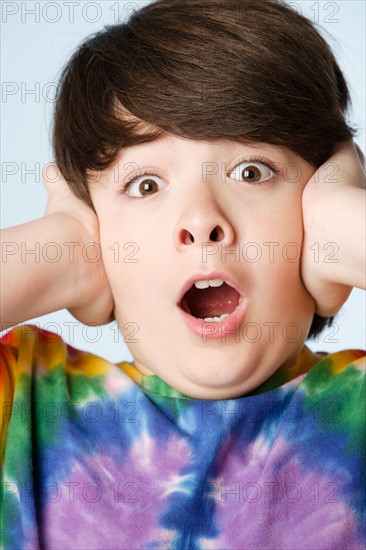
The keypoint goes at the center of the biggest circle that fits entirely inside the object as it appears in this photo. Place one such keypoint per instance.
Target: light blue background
(35, 46)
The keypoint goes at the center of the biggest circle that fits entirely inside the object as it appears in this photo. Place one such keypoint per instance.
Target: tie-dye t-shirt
(96, 455)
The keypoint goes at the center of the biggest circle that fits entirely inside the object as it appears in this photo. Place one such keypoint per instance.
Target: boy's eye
(141, 186)
(253, 172)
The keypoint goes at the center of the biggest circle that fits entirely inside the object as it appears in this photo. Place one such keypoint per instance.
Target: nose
(203, 221)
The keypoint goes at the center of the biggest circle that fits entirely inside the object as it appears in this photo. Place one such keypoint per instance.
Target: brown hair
(244, 70)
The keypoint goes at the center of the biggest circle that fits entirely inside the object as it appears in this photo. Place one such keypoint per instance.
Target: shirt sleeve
(28, 353)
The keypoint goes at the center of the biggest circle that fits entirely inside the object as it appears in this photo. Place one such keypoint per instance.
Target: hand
(330, 254)
(93, 300)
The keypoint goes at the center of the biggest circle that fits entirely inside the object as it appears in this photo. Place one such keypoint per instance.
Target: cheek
(118, 250)
(278, 232)
(289, 216)
(278, 220)
(130, 254)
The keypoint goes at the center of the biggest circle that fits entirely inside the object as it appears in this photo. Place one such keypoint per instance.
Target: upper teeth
(206, 284)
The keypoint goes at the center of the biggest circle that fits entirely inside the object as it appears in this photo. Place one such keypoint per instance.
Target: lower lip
(220, 329)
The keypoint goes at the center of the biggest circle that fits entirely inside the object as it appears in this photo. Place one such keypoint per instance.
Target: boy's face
(202, 216)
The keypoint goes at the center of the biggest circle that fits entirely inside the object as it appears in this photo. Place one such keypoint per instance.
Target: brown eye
(142, 186)
(252, 172)
(148, 187)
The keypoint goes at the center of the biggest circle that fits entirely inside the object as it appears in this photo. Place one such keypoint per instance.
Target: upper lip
(226, 277)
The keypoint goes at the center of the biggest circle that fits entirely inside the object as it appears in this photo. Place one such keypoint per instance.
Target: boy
(225, 432)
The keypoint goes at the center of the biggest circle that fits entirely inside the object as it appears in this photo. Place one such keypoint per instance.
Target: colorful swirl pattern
(98, 456)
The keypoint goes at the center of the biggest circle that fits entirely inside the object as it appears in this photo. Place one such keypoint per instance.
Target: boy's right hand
(92, 301)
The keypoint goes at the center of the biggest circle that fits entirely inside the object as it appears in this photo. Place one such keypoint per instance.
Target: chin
(218, 375)
(210, 391)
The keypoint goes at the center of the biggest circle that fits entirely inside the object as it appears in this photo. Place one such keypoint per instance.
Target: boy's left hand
(333, 204)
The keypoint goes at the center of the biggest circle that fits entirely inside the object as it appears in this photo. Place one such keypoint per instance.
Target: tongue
(211, 301)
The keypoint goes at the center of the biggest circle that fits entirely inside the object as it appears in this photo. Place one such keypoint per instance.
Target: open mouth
(211, 301)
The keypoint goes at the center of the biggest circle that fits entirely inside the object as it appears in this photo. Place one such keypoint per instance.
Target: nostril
(213, 235)
(217, 234)
(187, 237)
